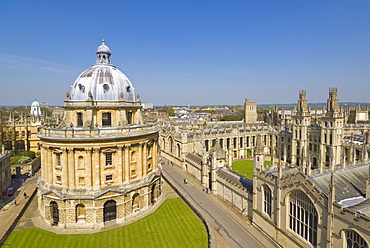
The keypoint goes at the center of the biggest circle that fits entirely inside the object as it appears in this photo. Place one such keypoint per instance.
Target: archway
(110, 210)
(80, 213)
(54, 212)
(135, 202)
(153, 194)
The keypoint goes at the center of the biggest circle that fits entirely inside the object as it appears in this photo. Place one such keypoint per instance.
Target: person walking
(25, 195)
(15, 202)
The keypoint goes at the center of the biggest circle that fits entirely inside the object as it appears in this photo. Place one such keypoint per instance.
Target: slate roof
(350, 187)
(235, 179)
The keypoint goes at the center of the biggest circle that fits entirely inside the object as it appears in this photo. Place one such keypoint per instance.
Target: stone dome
(103, 80)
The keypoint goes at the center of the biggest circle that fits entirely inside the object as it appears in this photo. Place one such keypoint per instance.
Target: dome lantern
(103, 54)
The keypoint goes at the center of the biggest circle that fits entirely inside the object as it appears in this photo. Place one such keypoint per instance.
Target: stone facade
(20, 135)
(5, 173)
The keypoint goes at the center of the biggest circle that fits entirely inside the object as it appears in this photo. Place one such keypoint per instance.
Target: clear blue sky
(189, 52)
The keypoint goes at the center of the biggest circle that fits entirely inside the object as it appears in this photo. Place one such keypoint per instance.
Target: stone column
(64, 165)
(88, 168)
(127, 163)
(145, 159)
(71, 167)
(44, 160)
(96, 168)
(50, 166)
(119, 165)
(154, 154)
(140, 164)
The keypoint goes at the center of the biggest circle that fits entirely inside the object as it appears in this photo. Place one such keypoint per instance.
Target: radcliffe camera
(185, 124)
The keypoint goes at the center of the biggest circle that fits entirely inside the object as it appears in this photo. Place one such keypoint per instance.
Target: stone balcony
(96, 133)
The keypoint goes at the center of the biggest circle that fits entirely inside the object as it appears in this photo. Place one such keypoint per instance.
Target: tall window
(129, 117)
(81, 163)
(108, 159)
(80, 122)
(354, 240)
(106, 119)
(58, 159)
(135, 202)
(267, 200)
(303, 217)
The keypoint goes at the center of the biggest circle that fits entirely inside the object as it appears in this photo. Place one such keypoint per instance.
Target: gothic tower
(301, 120)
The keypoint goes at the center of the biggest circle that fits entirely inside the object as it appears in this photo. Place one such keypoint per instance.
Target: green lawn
(172, 225)
(245, 167)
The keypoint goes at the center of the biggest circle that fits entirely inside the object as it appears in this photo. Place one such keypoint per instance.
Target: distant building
(250, 111)
(19, 134)
(147, 105)
(5, 173)
(35, 108)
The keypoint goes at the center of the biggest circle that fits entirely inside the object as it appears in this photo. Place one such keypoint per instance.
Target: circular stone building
(100, 165)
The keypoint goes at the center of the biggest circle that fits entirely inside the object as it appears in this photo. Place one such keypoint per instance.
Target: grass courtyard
(172, 225)
(245, 167)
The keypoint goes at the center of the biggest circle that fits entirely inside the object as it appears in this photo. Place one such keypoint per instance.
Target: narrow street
(227, 228)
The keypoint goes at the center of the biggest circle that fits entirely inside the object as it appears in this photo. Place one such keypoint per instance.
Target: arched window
(54, 212)
(164, 144)
(80, 213)
(170, 145)
(135, 202)
(81, 162)
(110, 210)
(354, 240)
(106, 119)
(206, 142)
(178, 151)
(267, 200)
(303, 217)
(153, 194)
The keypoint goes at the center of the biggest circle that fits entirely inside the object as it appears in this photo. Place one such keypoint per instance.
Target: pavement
(13, 207)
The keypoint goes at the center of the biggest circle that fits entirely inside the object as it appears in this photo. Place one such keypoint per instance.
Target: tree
(171, 112)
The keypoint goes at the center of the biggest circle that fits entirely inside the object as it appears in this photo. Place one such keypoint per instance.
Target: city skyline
(190, 53)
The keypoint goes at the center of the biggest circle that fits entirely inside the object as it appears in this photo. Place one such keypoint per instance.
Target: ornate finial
(103, 41)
